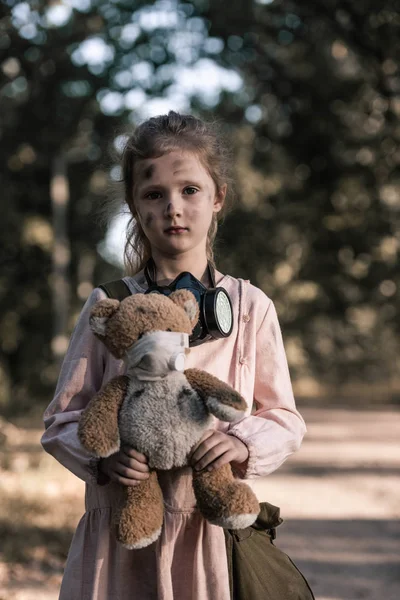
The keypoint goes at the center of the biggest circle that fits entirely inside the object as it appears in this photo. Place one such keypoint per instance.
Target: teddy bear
(161, 410)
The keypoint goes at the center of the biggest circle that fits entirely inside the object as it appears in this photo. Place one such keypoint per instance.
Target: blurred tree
(315, 126)
(318, 225)
(73, 75)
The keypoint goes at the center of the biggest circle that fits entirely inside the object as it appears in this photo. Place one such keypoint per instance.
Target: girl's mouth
(176, 230)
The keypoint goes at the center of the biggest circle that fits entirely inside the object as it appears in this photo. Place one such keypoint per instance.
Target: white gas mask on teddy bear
(156, 354)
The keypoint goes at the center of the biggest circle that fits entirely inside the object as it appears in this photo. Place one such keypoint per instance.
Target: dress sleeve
(80, 378)
(275, 430)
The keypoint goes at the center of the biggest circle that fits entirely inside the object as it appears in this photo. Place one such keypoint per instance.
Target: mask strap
(151, 274)
(211, 274)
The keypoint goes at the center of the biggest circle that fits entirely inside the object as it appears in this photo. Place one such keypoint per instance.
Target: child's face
(175, 198)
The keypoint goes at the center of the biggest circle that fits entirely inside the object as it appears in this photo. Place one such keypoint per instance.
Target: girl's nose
(173, 208)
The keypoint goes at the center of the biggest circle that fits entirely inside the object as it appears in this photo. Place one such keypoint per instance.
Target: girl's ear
(188, 302)
(100, 313)
(219, 199)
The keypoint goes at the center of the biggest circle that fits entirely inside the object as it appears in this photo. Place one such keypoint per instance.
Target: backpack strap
(117, 289)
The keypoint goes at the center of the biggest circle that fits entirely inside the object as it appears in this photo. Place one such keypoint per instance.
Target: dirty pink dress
(188, 562)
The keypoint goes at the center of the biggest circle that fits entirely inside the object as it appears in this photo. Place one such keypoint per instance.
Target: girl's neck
(168, 268)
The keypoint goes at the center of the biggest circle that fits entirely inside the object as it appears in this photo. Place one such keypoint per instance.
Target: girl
(175, 178)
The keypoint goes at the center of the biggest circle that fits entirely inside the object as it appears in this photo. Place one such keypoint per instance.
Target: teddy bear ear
(188, 302)
(100, 313)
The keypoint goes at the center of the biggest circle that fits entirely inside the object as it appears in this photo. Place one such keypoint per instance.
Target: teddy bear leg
(140, 519)
(224, 500)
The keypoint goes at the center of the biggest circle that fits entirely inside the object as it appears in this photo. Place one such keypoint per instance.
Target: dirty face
(175, 198)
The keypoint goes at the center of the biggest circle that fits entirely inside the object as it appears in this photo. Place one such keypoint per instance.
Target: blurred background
(309, 97)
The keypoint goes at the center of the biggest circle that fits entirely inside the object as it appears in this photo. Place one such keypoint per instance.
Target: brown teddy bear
(161, 410)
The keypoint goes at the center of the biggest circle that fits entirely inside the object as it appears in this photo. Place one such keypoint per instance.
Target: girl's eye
(190, 190)
(153, 195)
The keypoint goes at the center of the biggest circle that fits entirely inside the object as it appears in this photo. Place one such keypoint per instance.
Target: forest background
(309, 95)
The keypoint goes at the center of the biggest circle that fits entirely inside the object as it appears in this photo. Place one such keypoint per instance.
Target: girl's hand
(127, 466)
(216, 449)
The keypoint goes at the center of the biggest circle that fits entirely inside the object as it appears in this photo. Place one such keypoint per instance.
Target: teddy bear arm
(98, 425)
(220, 398)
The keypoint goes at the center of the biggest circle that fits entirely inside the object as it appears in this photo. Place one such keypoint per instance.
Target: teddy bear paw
(225, 412)
(106, 452)
(141, 542)
(230, 504)
(239, 521)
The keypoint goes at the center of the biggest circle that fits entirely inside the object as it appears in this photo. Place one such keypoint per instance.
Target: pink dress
(188, 562)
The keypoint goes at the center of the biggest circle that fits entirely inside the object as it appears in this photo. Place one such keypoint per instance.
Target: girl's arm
(80, 378)
(275, 430)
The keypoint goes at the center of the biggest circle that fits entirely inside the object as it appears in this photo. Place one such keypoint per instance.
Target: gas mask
(156, 354)
(215, 307)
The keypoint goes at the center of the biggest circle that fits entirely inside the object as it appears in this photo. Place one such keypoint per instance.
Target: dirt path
(339, 497)
(340, 500)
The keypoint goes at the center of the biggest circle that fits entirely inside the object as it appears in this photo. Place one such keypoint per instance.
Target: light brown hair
(156, 137)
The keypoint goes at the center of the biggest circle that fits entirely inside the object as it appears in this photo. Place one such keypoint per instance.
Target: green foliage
(70, 80)
(315, 129)
(318, 164)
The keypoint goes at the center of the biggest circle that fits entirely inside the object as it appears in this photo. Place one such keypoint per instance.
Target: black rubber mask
(215, 306)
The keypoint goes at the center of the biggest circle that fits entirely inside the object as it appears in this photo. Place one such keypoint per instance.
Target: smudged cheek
(195, 213)
(147, 217)
(200, 215)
